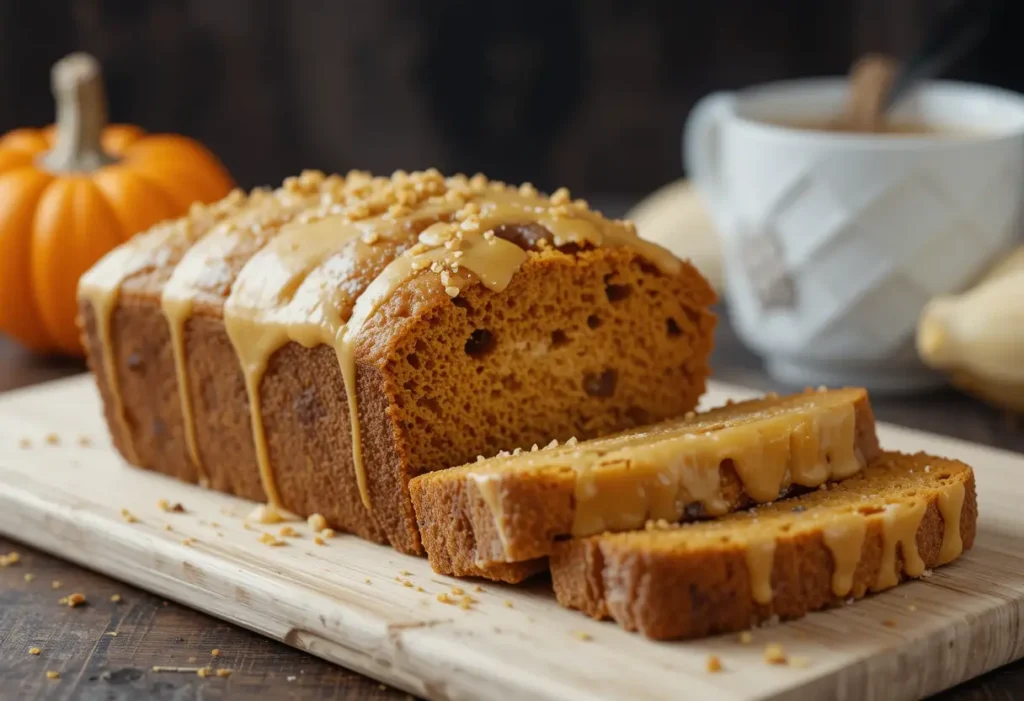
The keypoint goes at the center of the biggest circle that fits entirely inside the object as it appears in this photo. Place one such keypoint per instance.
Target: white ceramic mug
(834, 242)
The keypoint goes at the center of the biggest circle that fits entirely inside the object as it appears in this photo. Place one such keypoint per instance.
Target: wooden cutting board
(347, 600)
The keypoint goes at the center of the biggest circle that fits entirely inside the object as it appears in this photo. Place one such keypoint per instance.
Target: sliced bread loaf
(499, 518)
(901, 516)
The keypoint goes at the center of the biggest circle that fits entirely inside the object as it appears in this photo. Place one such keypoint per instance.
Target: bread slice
(499, 518)
(575, 327)
(903, 515)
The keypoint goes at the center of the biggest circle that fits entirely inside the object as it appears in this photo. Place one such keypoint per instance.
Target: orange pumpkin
(71, 192)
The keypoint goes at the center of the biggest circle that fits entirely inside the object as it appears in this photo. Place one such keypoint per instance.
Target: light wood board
(341, 601)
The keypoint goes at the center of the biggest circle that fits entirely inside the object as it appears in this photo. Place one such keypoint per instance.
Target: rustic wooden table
(107, 649)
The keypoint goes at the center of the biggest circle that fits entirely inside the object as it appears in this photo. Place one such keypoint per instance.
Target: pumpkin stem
(77, 85)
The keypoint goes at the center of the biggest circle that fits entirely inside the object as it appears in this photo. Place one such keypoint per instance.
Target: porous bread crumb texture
(458, 527)
(582, 342)
(693, 581)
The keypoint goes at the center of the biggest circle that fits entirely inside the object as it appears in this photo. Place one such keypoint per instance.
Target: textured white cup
(834, 242)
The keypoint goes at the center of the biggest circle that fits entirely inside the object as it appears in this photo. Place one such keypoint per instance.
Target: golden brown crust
(655, 583)
(305, 413)
(461, 536)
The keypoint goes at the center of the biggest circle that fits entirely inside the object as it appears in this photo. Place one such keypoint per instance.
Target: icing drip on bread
(323, 255)
(101, 284)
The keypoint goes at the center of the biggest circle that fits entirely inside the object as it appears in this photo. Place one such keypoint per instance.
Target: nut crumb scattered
(478, 589)
(889, 623)
(24, 443)
(29, 577)
(116, 598)
(458, 591)
(444, 598)
(11, 558)
(580, 635)
(911, 607)
(224, 672)
(328, 533)
(188, 541)
(204, 672)
(774, 654)
(508, 603)
(128, 516)
(34, 651)
(52, 439)
(56, 584)
(84, 441)
(318, 540)
(215, 652)
(271, 540)
(317, 522)
(165, 505)
(746, 637)
(714, 664)
(73, 601)
(288, 532)
(50, 674)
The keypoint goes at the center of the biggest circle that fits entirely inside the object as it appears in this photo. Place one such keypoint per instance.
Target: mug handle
(702, 151)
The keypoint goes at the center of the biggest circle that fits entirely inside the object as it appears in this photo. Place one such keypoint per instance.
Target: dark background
(587, 93)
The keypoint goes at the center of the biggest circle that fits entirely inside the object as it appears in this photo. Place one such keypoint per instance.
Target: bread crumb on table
(204, 672)
(84, 441)
(271, 539)
(889, 623)
(215, 652)
(73, 600)
(317, 522)
(508, 603)
(24, 443)
(746, 637)
(128, 516)
(288, 532)
(34, 651)
(319, 541)
(580, 635)
(774, 654)
(714, 664)
(224, 672)
(29, 577)
(327, 533)
(115, 599)
(56, 584)
(50, 674)
(165, 505)
(458, 591)
(11, 558)
(52, 439)
(444, 598)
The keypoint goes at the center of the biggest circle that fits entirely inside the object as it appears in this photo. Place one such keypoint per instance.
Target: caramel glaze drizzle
(204, 271)
(101, 284)
(288, 291)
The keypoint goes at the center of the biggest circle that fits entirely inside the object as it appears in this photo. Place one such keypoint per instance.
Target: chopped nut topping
(34, 651)
(774, 654)
(11, 558)
(317, 522)
(714, 664)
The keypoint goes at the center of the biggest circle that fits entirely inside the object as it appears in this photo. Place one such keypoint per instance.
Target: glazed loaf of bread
(317, 346)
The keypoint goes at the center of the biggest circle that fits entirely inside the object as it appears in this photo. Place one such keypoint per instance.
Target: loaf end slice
(902, 516)
(478, 519)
